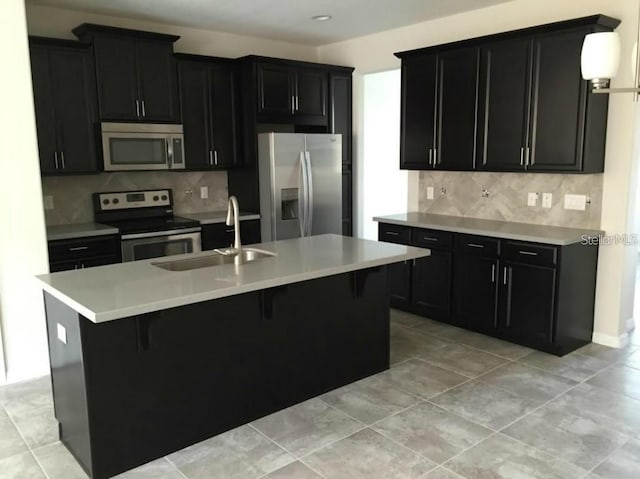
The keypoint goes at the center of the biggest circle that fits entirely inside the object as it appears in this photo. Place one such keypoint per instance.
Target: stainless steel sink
(246, 255)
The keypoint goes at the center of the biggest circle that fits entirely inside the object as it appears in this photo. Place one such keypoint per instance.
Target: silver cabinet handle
(435, 157)
(529, 253)
(527, 151)
(138, 108)
(414, 261)
(293, 104)
(210, 158)
(474, 245)
(144, 111)
(430, 156)
(79, 248)
(55, 158)
(493, 273)
(215, 157)
(429, 238)
(504, 276)
(82, 265)
(297, 103)
(391, 233)
(522, 156)
(62, 162)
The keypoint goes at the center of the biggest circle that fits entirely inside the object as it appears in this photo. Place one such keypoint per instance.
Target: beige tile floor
(455, 404)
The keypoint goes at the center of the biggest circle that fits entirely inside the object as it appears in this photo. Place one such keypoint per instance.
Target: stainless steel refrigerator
(300, 184)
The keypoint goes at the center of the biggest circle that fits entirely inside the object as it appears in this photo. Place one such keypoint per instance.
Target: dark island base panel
(132, 390)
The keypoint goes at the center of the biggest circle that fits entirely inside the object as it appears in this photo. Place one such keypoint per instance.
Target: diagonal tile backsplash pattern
(507, 198)
(73, 202)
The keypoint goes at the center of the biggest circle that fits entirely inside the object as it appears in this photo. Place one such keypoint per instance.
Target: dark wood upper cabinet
(208, 101)
(136, 73)
(65, 106)
(418, 121)
(505, 105)
(291, 94)
(513, 101)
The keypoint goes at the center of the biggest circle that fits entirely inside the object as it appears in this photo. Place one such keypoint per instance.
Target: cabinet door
(418, 117)
(559, 103)
(249, 232)
(400, 284)
(223, 116)
(431, 285)
(504, 105)
(527, 302)
(216, 235)
(341, 112)
(157, 81)
(116, 77)
(347, 202)
(74, 99)
(311, 93)
(43, 102)
(475, 292)
(457, 109)
(194, 101)
(275, 90)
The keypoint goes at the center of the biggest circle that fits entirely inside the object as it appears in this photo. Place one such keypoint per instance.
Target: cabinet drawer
(431, 238)
(531, 253)
(477, 245)
(394, 233)
(77, 249)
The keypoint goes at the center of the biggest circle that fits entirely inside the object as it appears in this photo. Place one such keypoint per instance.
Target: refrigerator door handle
(307, 157)
(302, 196)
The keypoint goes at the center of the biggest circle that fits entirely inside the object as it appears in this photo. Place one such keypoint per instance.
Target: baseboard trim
(631, 324)
(611, 341)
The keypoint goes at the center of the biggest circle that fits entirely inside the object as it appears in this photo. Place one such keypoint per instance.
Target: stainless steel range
(147, 225)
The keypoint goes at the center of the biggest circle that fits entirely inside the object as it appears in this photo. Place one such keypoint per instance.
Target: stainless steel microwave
(142, 146)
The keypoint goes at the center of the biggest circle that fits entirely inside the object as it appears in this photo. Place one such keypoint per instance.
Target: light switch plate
(48, 202)
(547, 200)
(62, 333)
(429, 192)
(575, 202)
(204, 192)
(532, 199)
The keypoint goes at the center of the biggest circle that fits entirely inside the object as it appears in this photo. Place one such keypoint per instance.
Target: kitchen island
(146, 361)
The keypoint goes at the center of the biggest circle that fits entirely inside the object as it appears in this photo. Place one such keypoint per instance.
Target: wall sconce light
(600, 61)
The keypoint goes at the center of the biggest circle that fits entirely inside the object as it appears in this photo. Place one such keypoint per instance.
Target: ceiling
(286, 20)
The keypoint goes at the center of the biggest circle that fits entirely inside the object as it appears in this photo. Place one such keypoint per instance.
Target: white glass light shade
(600, 56)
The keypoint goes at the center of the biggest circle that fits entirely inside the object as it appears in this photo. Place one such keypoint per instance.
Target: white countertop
(555, 235)
(80, 230)
(121, 290)
(217, 217)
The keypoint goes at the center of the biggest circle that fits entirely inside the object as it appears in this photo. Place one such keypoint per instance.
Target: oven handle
(155, 234)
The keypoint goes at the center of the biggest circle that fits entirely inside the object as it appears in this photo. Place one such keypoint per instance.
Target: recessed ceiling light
(321, 18)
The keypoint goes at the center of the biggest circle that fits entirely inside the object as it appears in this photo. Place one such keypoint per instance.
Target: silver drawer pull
(474, 245)
(529, 253)
(79, 248)
(430, 238)
(392, 233)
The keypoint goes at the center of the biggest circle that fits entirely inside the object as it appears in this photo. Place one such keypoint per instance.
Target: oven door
(154, 245)
(148, 150)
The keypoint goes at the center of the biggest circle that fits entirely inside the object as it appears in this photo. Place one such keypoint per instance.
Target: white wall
(56, 22)
(23, 247)
(374, 53)
(383, 184)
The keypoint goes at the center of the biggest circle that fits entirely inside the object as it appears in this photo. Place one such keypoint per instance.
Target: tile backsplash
(507, 196)
(73, 202)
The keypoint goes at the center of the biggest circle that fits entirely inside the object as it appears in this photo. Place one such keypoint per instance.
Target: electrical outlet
(547, 199)
(62, 333)
(48, 202)
(204, 192)
(429, 192)
(575, 202)
(532, 199)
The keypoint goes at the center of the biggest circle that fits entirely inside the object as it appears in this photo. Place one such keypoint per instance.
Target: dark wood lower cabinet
(537, 295)
(132, 390)
(219, 235)
(431, 285)
(475, 292)
(527, 302)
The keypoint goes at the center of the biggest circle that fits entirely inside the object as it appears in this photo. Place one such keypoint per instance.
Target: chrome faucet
(234, 210)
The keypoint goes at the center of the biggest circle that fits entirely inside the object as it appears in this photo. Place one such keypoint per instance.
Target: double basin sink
(218, 258)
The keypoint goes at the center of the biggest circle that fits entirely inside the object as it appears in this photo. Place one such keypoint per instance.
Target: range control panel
(133, 199)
